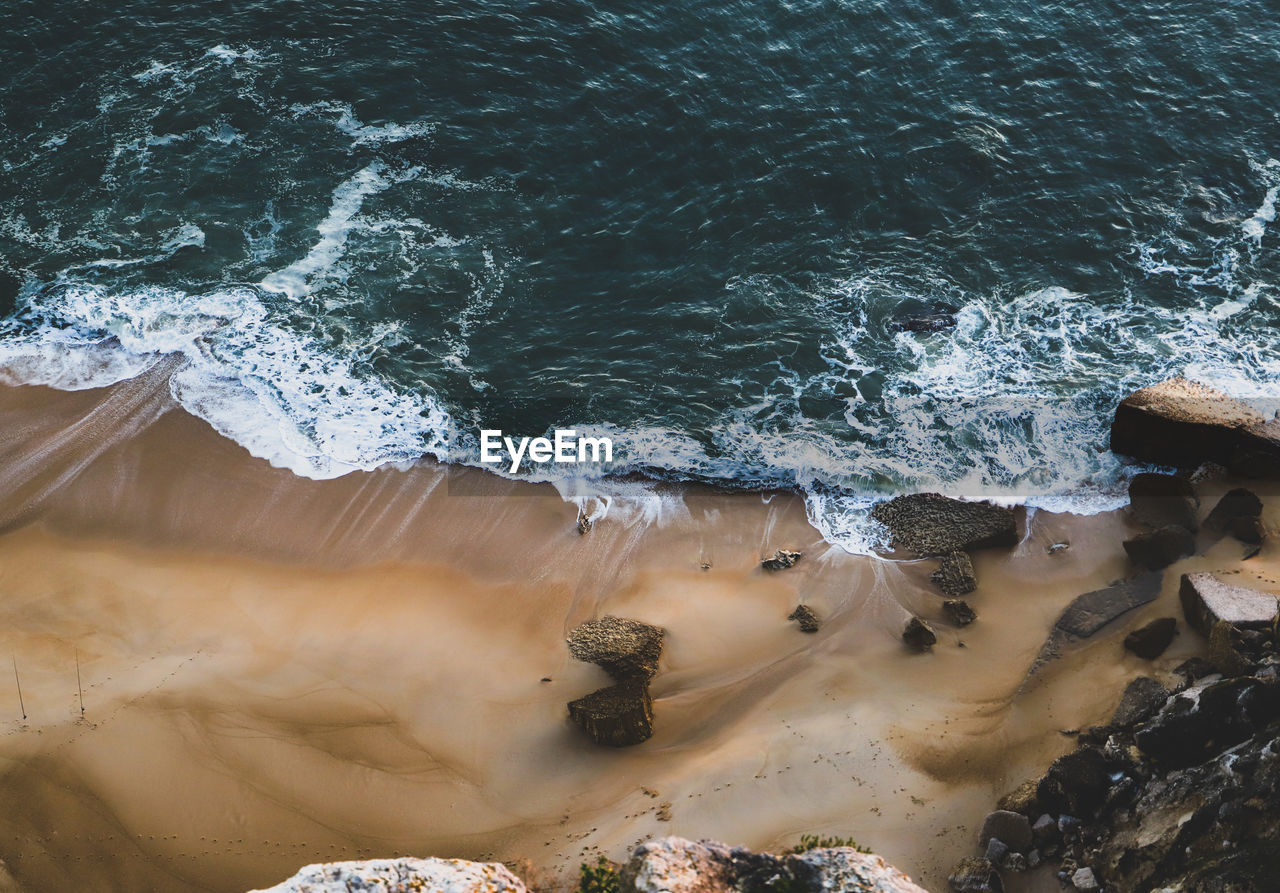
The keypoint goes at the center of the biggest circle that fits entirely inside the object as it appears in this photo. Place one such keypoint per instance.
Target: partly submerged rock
(435, 875)
(1160, 548)
(676, 865)
(975, 875)
(954, 575)
(807, 618)
(623, 648)
(919, 635)
(932, 524)
(1151, 641)
(781, 560)
(1206, 600)
(1182, 423)
(618, 716)
(1159, 500)
(958, 611)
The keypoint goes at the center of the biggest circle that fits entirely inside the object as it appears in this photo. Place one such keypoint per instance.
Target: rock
(1206, 599)
(1084, 881)
(1151, 641)
(1012, 828)
(954, 575)
(1181, 423)
(1209, 718)
(1224, 649)
(1194, 668)
(1247, 530)
(618, 716)
(436, 875)
(1076, 784)
(1161, 500)
(1160, 548)
(1022, 798)
(781, 560)
(1236, 504)
(1091, 611)
(1015, 862)
(806, 617)
(625, 649)
(1142, 699)
(975, 876)
(922, 319)
(1045, 830)
(958, 611)
(676, 865)
(1058, 548)
(931, 524)
(584, 523)
(919, 635)
(996, 851)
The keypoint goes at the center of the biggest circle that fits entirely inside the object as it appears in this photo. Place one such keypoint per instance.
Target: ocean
(853, 248)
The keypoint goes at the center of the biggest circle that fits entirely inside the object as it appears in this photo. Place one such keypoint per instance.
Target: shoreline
(281, 670)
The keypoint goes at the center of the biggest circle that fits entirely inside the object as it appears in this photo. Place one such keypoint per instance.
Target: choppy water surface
(854, 247)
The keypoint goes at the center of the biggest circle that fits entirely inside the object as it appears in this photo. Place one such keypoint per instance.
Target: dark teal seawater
(702, 227)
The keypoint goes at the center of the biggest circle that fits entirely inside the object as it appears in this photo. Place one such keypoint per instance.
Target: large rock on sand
(1182, 423)
(1160, 500)
(625, 649)
(618, 716)
(1207, 600)
(1160, 548)
(676, 865)
(436, 875)
(1091, 611)
(932, 524)
(955, 576)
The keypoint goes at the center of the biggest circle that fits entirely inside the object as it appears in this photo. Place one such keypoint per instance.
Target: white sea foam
(1256, 226)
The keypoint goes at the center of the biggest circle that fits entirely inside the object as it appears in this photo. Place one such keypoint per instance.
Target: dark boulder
(1076, 784)
(1206, 600)
(921, 318)
(954, 575)
(1182, 423)
(1159, 500)
(618, 716)
(625, 649)
(781, 560)
(1200, 723)
(1247, 530)
(958, 611)
(932, 524)
(1011, 828)
(806, 617)
(919, 635)
(1142, 699)
(973, 875)
(1237, 503)
(1022, 798)
(1151, 641)
(1160, 548)
(1091, 611)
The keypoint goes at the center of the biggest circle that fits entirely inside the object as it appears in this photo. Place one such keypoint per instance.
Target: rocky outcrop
(1184, 424)
(435, 875)
(955, 576)
(781, 560)
(931, 524)
(676, 865)
(807, 618)
(1207, 600)
(628, 650)
(919, 635)
(1162, 500)
(1152, 640)
(1160, 548)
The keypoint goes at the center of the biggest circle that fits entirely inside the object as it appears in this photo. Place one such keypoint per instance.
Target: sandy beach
(278, 671)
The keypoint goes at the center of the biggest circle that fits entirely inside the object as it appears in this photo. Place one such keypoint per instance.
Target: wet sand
(279, 671)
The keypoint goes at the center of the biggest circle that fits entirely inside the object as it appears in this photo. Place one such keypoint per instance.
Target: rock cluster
(676, 865)
(628, 650)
